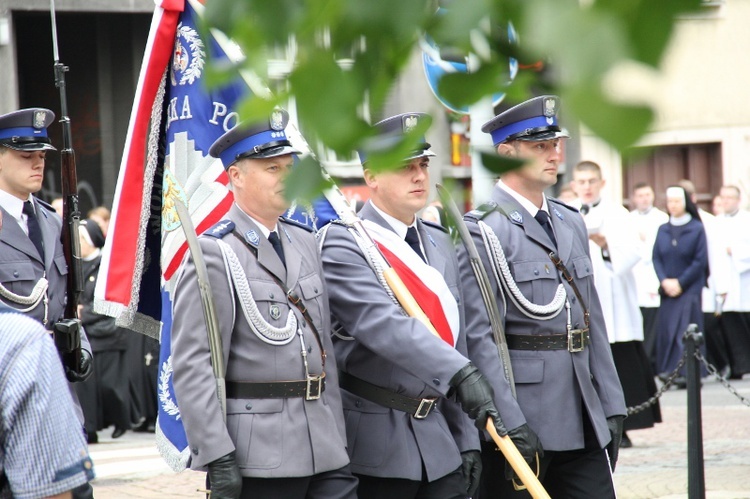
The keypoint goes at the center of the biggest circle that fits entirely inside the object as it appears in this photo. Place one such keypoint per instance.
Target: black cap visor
(270, 150)
(28, 144)
(539, 134)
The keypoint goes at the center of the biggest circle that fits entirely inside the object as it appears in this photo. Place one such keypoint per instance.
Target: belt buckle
(314, 387)
(425, 406)
(577, 340)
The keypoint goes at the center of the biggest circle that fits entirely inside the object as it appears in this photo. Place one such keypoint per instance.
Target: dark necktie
(412, 239)
(543, 218)
(273, 238)
(585, 209)
(35, 232)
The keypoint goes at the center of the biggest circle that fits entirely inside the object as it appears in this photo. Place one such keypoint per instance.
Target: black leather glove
(471, 467)
(85, 368)
(528, 444)
(614, 423)
(475, 394)
(224, 477)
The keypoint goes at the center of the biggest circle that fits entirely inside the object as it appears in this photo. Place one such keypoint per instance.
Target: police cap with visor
(257, 140)
(392, 130)
(26, 129)
(533, 120)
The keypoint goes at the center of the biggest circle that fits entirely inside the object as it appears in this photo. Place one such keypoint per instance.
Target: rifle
(68, 330)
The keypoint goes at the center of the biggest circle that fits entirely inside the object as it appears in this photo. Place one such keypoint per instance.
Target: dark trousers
(451, 486)
(337, 484)
(716, 345)
(649, 334)
(576, 474)
(573, 474)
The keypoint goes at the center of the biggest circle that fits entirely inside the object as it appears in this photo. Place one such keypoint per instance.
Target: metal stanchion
(696, 480)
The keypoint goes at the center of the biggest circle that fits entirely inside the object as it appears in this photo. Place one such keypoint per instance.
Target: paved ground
(656, 466)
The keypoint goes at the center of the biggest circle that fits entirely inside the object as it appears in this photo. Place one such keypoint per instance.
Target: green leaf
(499, 164)
(621, 125)
(461, 89)
(306, 181)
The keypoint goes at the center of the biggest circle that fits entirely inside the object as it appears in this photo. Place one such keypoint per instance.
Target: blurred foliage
(346, 56)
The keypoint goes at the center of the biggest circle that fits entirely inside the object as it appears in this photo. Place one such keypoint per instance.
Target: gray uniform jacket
(21, 266)
(555, 386)
(398, 353)
(272, 437)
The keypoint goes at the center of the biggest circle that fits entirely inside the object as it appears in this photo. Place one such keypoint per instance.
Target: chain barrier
(676, 373)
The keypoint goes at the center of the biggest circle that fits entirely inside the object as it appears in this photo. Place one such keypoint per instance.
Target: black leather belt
(310, 389)
(574, 341)
(418, 408)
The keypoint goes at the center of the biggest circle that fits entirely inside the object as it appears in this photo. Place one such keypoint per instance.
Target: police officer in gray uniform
(284, 430)
(33, 270)
(536, 252)
(406, 439)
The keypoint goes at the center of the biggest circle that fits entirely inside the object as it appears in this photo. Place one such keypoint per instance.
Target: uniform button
(592, 377)
(587, 269)
(315, 290)
(304, 324)
(248, 406)
(309, 349)
(15, 273)
(436, 381)
(270, 295)
(195, 450)
(536, 272)
(573, 299)
(358, 403)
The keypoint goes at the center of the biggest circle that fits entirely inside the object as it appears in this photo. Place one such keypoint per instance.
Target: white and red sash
(425, 283)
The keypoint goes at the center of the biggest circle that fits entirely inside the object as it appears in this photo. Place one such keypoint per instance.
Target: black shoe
(147, 426)
(118, 432)
(625, 443)
(92, 438)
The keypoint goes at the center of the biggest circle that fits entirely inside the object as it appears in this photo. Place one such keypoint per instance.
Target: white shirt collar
(525, 203)
(14, 206)
(681, 220)
(397, 225)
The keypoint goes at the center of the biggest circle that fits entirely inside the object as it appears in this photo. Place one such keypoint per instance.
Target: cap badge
(515, 217)
(550, 107)
(40, 118)
(410, 122)
(252, 237)
(277, 120)
(275, 312)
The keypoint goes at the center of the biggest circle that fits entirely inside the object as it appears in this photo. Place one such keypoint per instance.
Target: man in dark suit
(568, 393)
(406, 439)
(283, 435)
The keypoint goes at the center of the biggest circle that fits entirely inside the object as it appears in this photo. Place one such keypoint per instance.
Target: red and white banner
(425, 283)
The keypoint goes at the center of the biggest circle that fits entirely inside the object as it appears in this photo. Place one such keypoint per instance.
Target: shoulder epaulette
(220, 229)
(44, 204)
(563, 204)
(482, 211)
(296, 224)
(435, 225)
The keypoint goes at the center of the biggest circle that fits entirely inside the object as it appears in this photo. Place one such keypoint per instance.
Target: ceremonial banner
(425, 283)
(173, 123)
